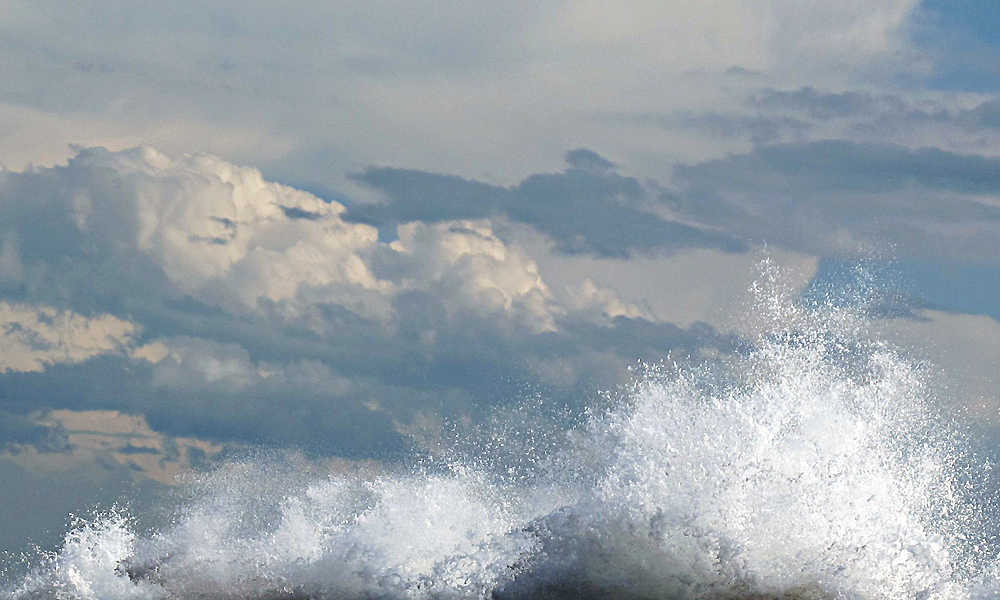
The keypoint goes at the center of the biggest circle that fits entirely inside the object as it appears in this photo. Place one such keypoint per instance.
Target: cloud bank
(226, 306)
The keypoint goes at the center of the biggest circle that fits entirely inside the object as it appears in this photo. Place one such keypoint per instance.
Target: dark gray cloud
(845, 165)
(588, 208)
(840, 196)
(588, 160)
(350, 402)
(758, 128)
(62, 264)
(883, 112)
(19, 430)
(825, 105)
(982, 116)
(791, 116)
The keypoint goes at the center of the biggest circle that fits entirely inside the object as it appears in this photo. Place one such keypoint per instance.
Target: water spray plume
(810, 466)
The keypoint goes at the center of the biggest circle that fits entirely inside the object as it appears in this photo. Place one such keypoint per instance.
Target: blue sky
(975, 19)
(964, 33)
(344, 228)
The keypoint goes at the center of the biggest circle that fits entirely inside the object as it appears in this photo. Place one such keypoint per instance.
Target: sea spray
(811, 466)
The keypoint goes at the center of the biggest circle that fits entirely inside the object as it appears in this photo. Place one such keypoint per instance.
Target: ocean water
(813, 466)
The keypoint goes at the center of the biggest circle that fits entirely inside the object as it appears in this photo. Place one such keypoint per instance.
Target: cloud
(929, 284)
(201, 228)
(844, 165)
(759, 129)
(836, 197)
(470, 268)
(31, 338)
(588, 160)
(204, 388)
(216, 78)
(18, 431)
(884, 111)
(825, 106)
(227, 307)
(588, 208)
(56, 463)
(605, 303)
(947, 121)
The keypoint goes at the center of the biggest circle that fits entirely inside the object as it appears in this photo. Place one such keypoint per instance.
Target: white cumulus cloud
(223, 235)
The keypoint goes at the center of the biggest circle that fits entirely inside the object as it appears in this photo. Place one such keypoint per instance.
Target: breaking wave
(811, 466)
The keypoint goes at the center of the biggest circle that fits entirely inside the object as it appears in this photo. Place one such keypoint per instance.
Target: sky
(345, 227)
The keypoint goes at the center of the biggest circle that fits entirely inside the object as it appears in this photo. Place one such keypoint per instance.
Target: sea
(817, 463)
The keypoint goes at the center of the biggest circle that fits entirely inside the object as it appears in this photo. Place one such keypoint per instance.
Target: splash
(812, 466)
